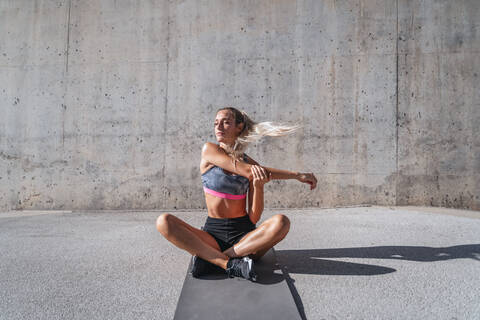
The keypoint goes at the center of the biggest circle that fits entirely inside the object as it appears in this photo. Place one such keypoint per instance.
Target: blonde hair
(253, 131)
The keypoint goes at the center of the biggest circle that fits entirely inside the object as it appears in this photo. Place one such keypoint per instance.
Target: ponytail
(253, 131)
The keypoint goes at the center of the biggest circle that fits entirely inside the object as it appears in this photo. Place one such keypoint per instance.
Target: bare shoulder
(211, 152)
(211, 149)
(204, 164)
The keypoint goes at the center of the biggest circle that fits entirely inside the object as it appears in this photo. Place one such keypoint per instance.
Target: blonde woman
(230, 239)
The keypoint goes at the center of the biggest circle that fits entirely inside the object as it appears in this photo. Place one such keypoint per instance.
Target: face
(225, 129)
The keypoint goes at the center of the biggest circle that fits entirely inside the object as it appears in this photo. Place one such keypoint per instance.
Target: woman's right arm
(214, 154)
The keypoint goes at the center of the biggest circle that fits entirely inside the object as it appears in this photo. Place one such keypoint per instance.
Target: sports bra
(216, 182)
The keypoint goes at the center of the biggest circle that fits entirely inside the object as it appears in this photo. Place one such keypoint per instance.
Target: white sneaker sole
(250, 262)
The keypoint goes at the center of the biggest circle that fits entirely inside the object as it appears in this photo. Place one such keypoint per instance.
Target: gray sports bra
(216, 182)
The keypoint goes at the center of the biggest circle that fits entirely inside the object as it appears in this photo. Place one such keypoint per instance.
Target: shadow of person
(312, 261)
(293, 290)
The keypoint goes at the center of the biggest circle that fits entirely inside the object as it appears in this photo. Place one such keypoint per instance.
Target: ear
(240, 127)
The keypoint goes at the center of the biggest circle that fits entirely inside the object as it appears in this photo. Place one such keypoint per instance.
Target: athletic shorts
(227, 232)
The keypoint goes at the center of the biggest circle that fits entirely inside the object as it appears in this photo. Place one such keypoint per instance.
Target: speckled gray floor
(355, 263)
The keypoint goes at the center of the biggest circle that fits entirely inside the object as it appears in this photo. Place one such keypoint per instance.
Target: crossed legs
(198, 242)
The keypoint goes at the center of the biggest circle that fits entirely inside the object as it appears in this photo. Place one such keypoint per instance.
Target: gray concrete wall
(106, 104)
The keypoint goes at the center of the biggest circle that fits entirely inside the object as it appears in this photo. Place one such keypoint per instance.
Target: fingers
(311, 180)
(263, 172)
(314, 182)
(256, 172)
(259, 172)
(255, 168)
(268, 174)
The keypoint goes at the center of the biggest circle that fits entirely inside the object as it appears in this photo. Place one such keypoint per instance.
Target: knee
(163, 223)
(281, 223)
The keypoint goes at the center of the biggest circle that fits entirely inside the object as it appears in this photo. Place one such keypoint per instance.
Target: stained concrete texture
(106, 104)
(342, 263)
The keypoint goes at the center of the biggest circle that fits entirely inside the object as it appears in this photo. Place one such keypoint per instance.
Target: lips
(220, 133)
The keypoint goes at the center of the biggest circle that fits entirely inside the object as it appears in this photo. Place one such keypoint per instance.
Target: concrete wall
(106, 104)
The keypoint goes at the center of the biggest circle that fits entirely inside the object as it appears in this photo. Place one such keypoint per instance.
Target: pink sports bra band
(225, 195)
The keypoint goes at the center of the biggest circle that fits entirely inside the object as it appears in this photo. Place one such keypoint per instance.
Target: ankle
(230, 252)
(229, 263)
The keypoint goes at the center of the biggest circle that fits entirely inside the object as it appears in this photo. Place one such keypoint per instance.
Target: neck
(227, 145)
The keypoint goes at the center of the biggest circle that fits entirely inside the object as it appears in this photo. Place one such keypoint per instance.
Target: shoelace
(240, 269)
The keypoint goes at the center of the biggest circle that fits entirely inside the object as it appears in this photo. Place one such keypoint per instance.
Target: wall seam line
(165, 115)
(68, 36)
(396, 111)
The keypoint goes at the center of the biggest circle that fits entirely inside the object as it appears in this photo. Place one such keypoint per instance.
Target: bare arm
(282, 174)
(257, 204)
(300, 176)
(255, 198)
(212, 153)
(286, 174)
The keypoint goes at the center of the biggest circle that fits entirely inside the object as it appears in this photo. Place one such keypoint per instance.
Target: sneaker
(201, 267)
(241, 267)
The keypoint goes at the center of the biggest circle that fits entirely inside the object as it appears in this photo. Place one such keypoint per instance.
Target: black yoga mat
(215, 296)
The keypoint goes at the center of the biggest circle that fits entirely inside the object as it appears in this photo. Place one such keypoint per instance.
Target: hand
(308, 178)
(260, 175)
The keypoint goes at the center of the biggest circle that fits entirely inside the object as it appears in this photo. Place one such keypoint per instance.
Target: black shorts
(227, 232)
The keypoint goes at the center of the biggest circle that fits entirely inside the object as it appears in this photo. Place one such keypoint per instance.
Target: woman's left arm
(262, 175)
(282, 174)
(285, 174)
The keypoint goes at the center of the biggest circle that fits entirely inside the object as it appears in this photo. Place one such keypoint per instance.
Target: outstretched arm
(286, 174)
(279, 174)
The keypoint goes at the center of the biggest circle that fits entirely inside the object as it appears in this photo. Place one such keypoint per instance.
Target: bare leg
(257, 242)
(195, 241)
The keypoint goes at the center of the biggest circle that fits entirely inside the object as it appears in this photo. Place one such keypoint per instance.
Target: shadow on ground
(311, 261)
(314, 261)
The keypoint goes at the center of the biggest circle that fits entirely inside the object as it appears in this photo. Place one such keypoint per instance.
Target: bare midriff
(225, 208)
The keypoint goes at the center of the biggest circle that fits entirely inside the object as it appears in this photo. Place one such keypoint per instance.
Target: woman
(230, 239)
